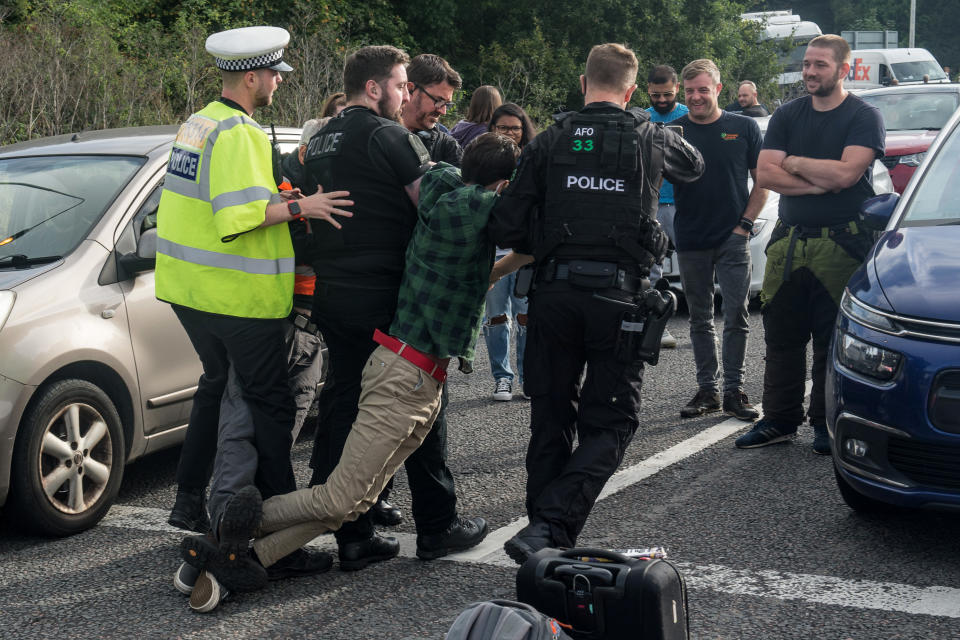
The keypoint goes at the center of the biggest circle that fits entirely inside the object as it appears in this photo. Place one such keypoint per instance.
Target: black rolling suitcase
(605, 595)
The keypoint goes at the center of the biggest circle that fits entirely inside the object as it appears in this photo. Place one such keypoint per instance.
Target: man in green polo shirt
(439, 316)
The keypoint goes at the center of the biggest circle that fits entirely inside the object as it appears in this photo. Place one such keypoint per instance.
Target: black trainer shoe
(190, 511)
(462, 534)
(737, 405)
(821, 440)
(766, 432)
(357, 555)
(528, 541)
(228, 557)
(385, 514)
(704, 402)
(300, 563)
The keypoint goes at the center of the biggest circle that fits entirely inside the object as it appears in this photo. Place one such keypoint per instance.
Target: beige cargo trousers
(398, 405)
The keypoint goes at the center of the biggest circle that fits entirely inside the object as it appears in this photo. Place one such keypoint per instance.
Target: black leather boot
(357, 555)
(190, 511)
(385, 514)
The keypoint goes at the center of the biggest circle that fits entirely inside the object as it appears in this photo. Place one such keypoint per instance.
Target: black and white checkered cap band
(249, 64)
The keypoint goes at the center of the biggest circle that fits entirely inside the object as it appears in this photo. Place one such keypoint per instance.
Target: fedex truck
(870, 68)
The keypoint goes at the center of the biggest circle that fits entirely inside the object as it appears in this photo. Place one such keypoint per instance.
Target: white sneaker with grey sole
(503, 392)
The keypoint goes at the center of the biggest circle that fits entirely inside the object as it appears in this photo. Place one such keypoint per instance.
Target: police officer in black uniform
(584, 204)
(359, 268)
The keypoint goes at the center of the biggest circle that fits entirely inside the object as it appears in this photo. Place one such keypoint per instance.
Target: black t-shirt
(798, 129)
(709, 208)
(374, 159)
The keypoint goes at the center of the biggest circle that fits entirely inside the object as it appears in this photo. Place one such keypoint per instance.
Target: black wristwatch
(746, 224)
(294, 208)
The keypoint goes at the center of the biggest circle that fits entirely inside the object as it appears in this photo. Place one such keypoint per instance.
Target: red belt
(408, 353)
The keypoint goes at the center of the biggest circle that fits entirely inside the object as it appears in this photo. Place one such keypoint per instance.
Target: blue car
(893, 378)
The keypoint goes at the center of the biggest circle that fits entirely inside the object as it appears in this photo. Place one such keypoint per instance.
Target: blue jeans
(502, 309)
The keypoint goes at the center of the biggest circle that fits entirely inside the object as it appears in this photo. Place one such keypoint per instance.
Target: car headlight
(7, 299)
(912, 159)
(867, 359)
(859, 312)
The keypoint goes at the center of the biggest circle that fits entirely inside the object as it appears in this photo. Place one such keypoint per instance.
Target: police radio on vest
(594, 183)
(583, 131)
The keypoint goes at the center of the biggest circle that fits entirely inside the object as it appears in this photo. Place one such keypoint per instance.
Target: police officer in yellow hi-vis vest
(225, 262)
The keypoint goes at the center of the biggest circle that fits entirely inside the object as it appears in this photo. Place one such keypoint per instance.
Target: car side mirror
(145, 258)
(876, 211)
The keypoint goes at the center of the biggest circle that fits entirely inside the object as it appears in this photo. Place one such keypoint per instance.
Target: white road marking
(829, 590)
(860, 594)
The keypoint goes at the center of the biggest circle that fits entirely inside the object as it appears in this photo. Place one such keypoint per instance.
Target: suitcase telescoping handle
(600, 554)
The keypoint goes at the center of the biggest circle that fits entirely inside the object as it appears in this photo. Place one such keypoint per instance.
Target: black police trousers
(256, 348)
(347, 319)
(568, 329)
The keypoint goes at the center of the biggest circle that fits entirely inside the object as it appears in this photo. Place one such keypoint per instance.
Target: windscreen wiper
(18, 260)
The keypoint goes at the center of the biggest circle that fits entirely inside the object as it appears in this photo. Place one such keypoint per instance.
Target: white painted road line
(860, 594)
(814, 589)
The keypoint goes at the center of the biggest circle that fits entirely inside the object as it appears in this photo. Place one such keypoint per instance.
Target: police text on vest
(596, 183)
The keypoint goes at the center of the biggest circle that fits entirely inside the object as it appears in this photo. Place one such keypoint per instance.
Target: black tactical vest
(369, 250)
(594, 207)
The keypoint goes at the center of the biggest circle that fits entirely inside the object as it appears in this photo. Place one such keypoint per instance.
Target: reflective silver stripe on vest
(202, 257)
(200, 190)
(244, 196)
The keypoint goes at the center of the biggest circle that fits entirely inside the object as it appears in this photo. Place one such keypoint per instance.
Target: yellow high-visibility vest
(211, 254)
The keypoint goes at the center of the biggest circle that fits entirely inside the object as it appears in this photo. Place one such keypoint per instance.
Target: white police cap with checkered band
(249, 48)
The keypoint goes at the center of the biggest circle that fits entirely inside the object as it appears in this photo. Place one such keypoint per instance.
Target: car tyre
(857, 501)
(68, 459)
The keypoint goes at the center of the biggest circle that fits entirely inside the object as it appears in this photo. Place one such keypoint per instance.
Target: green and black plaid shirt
(440, 305)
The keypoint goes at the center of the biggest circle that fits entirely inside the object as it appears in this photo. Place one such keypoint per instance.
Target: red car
(913, 115)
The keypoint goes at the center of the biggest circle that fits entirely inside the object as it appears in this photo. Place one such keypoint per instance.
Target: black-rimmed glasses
(439, 103)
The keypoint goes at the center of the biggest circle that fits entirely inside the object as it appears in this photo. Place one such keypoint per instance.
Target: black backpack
(504, 620)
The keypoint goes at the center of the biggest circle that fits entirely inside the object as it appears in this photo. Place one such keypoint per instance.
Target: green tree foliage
(82, 64)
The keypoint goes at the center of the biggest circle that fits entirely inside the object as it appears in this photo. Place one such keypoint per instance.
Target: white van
(871, 68)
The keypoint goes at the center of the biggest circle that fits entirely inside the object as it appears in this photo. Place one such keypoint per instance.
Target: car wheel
(68, 459)
(856, 500)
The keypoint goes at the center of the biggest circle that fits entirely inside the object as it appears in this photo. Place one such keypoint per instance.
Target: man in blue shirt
(662, 87)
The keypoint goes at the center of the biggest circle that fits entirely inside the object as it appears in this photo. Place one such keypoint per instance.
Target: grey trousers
(235, 464)
(731, 263)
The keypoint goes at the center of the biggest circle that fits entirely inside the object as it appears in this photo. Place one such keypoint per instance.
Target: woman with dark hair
(484, 101)
(512, 121)
(333, 105)
(503, 308)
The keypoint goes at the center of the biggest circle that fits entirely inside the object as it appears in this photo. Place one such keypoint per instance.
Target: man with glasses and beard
(662, 87)
(817, 154)
(359, 268)
(431, 82)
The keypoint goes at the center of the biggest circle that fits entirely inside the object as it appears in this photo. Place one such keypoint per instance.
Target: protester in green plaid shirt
(447, 273)
(440, 304)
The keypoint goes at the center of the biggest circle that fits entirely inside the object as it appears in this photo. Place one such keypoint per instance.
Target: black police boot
(190, 511)
(532, 538)
(357, 555)
(462, 534)
(385, 514)
(300, 563)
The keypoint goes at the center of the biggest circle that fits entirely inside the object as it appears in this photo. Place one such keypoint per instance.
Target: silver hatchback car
(94, 370)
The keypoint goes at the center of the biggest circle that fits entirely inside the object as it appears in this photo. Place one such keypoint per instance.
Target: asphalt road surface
(768, 547)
